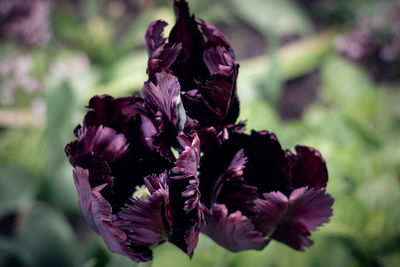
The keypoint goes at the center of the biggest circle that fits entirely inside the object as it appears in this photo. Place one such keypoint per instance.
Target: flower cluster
(174, 163)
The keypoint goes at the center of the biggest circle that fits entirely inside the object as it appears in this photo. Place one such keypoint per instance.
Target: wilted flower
(136, 192)
(253, 192)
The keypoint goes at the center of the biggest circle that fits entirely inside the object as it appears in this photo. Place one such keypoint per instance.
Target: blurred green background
(301, 77)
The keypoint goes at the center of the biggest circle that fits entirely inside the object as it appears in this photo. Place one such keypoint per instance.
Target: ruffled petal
(230, 188)
(100, 140)
(290, 220)
(214, 37)
(164, 96)
(126, 115)
(185, 198)
(234, 232)
(153, 37)
(98, 213)
(189, 65)
(266, 162)
(162, 59)
(144, 221)
(309, 168)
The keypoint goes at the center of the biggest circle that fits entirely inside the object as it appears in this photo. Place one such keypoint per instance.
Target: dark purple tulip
(136, 193)
(114, 158)
(253, 191)
(204, 63)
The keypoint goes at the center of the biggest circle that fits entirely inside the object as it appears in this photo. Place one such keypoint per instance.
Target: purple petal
(145, 222)
(110, 112)
(185, 198)
(162, 59)
(293, 218)
(153, 37)
(215, 37)
(266, 163)
(189, 64)
(100, 140)
(98, 213)
(234, 232)
(230, 188)
(165, 97)
(125, 115)
(215, 103)
(269, 211)
(309, 168)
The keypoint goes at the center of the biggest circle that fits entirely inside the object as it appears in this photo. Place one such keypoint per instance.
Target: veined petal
(184, 198)
(230, 188)
(162, 59)
(266, 162)
(189, 65)
(214, 37)
(126, 115)
(290, 220)
(98, 213)
(309, 168)
(100, 140)
(145, 223)
(153, 37)
(234, 232)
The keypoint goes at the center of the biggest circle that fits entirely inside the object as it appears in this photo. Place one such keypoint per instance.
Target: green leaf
(281, 17)
(45, 239)
(349, 217)
(18, 187)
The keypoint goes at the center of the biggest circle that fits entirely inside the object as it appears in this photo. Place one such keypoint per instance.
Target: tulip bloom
(136, 192)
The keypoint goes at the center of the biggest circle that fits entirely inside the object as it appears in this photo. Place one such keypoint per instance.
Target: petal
(309, 168)
(145, 223)
(110, 112)
(269, 211)
(162, 59)
(164, 96)
(98, 213)
(234, 232)
(153, 37)
(100, 140)
(185, 198)
(230, 188)
(214, 37)
(189, 64)
(293, 218)
(125, 115)
(215, 103)
(266, 163)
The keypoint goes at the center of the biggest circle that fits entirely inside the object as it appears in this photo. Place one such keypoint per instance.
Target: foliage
(354, 122)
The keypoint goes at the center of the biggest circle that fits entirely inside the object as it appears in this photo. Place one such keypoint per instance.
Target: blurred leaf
(126, 76)
(45, 240)
(61, 107)
(24, 148)
(349, 217)
(18, 187)
(280, 17)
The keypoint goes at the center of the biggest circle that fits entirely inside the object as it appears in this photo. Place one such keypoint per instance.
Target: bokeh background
(322, 73)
